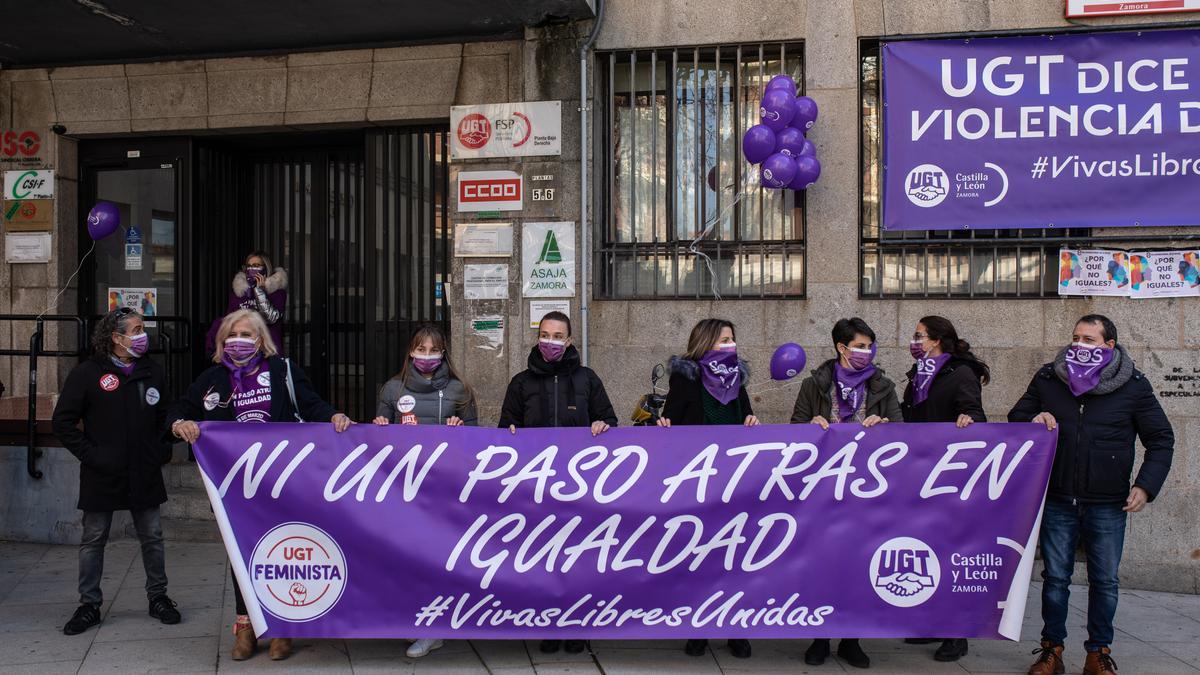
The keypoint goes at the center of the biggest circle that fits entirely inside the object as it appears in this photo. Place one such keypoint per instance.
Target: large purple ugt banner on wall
(773, 531)
(1099, 130)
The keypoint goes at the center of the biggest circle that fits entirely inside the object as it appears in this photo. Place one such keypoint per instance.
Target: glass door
(135, 266)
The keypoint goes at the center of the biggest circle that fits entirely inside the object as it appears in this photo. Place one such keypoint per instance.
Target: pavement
(1156, 632)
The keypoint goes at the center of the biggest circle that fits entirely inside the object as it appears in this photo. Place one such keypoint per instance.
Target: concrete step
(183, 474)
(188, 530)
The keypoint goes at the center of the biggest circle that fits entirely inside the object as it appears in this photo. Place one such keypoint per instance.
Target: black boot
(695, 647)
(817, 652)
(739, 648)
(951, 650)
(549, 646)
(851, 652)
(574, 646)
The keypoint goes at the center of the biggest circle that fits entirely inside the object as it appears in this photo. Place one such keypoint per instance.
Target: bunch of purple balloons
(788, 159)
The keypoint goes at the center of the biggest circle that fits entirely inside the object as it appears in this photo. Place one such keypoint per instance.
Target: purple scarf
(851, 386)
(927, 369)
(238, 373)
(720, 374)
(1085, 364)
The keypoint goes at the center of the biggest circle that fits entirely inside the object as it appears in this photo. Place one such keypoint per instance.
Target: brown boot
(244, 642)
(281, 648)
(1049, 660)
(1100, 662)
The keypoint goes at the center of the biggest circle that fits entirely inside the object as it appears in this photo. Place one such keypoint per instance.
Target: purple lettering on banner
(900, 530)
(1054, 131)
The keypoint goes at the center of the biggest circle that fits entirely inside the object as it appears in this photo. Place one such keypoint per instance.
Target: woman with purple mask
(250, 383)
(849, 389)
(557, 390)
(708, 386)
(427, 390)
(945, 385)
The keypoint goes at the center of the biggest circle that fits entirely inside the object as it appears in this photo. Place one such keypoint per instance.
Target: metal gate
(364, 243)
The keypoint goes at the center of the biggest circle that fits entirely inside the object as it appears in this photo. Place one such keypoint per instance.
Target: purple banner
(1059, 131)
(772, 531)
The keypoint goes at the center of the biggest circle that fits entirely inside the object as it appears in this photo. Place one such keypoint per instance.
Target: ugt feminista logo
(298, 572)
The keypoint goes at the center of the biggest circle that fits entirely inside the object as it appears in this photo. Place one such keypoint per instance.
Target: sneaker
(422, 647)
(695, 647)
(739, 648)
(549, 646)
(163, 609)
(851, 652)
(951, 650)
(84, 618)
(817, 652)
(574, 646)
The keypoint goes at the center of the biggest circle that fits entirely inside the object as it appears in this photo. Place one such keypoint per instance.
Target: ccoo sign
(490, 191)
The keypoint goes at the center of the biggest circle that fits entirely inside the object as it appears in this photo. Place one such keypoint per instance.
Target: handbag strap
(292, 390)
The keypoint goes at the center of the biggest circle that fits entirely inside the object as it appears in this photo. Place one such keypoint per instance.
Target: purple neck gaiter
(1085, 363)
(851, 386)
(927, 369)
(237, 373)
(720, 375)
(126, 368)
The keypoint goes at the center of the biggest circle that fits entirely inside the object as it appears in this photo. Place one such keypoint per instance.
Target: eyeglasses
(920, 336)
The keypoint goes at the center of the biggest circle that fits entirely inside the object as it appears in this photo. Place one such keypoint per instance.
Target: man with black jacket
(1100, 403)
(119, 398)
(557, 390)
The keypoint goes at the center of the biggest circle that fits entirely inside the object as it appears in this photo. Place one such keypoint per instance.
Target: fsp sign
(506, 130)
(1087, 8)
(490, 191)
(31, 184)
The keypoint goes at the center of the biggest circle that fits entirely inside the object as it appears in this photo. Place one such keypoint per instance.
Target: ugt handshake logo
(905, 572)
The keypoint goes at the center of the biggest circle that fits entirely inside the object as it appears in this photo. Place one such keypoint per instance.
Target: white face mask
(727, 347)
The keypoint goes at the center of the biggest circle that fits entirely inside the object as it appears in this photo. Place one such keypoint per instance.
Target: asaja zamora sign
(506, 130)
(786, 531)
(30, 184)
(548, 260)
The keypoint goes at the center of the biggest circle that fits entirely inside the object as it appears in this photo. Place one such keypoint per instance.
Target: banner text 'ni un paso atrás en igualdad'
(771, 531)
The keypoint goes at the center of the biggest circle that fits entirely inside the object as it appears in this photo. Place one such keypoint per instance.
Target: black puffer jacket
(565, 393)
(956, 390)
(685, 399)
(1096, 434)
(121, 447)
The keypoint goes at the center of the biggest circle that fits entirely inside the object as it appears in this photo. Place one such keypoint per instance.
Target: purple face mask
(138, 344)
(1085, 363)
(851, 383)
(426, 364)
(916, 348)
(552, 350)
(239, 350)
(720, 375)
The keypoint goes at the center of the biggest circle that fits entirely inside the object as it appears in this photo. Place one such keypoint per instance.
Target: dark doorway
(359, 222)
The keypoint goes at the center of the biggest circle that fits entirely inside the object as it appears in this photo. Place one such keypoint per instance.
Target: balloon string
(768, 387)
(69, 280)
(694, 247)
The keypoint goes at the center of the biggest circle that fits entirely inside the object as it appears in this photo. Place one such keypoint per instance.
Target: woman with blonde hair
(250, 383)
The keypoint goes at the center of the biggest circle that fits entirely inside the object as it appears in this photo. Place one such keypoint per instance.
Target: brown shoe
(1100, 662)
(244, 642)
(1049, 660)
(281, 648)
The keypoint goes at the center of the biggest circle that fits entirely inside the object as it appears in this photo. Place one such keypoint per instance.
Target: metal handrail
(32, 453)
(36, 340)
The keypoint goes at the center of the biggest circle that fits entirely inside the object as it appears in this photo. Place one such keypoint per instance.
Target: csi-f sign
(31, 184)
(489, 191)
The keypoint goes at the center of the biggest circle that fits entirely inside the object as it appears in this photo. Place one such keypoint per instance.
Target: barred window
(683, 213)
(1015, 263)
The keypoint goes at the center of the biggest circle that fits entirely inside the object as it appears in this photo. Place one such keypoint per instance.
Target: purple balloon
(778, 107)
(103, 220)
(758, 143)
(782, 82)
(809, 150)
(805, 115)
(790, 142)
(778, 170)
(808, 170)
(787, 362)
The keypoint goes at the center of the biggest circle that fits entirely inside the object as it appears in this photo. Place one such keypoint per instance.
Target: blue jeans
(1102, 527)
